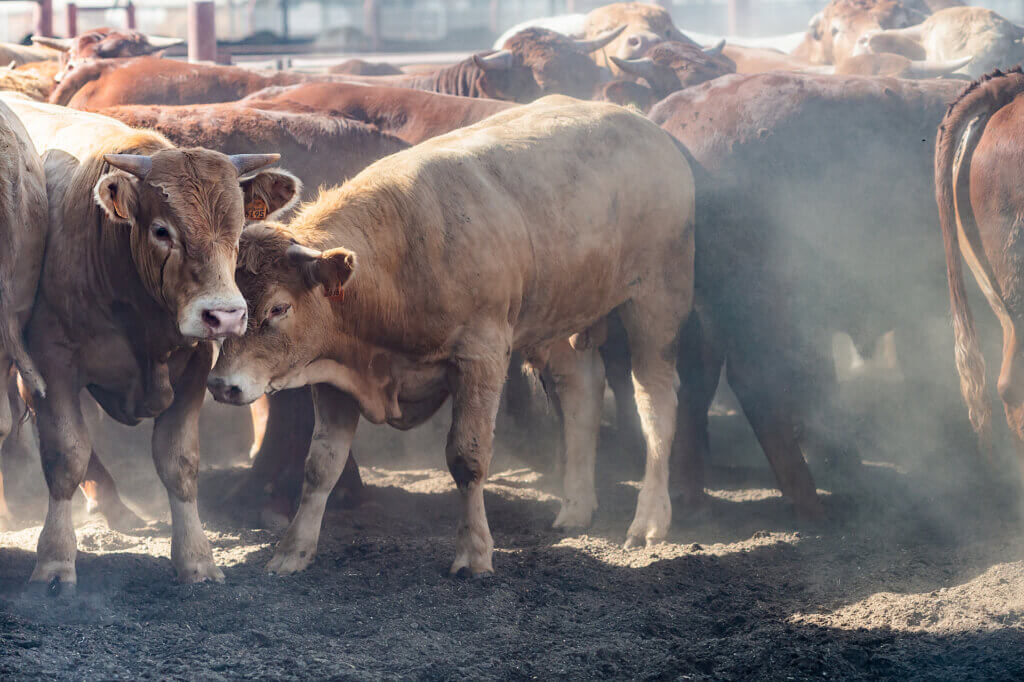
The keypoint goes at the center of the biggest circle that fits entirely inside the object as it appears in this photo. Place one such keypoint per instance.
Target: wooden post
(284, 19)
(130, 11)
(371, 22)
(44, 18)
(494, 16)
(72, 17)
(737, 16)
(570, 6)
(202, 31)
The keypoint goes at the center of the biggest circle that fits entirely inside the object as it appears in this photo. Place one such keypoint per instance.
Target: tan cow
(139, 266)
(22, 236)
(833, 32)
(645, 26)
(421, 275)
(985, 39)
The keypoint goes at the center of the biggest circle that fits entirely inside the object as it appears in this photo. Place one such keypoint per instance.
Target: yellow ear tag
(119, 209)
(256, 209)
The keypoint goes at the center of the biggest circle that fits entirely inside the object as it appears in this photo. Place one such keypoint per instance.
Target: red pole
(72, 15)
(130, 11)
(202, 31)
(44, 18)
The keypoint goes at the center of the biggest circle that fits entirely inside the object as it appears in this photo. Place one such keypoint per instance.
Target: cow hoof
(286, 563)
(574, 515)
(200, 572)
(8, 523)
(810, 512)
(55, 588)
(120, 518)
(465, 573)
(477, 568)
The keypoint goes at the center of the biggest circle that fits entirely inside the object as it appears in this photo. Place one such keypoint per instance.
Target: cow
(14, 53)
(421, 275)
(644, 27)
(103, 43)
(23, 223)
(832, 33)
(671, 66)
(360, 67)
(976, 192)
(898, 66)
(411, 115)
(630, 94)
(139, 264)
(980, 36)
(27, 81)
(796, 243)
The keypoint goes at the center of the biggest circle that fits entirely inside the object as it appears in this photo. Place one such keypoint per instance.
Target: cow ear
(330, 268)
(117, 193)
(269, 193)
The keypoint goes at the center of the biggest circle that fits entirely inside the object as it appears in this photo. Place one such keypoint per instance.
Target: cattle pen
(681, 339)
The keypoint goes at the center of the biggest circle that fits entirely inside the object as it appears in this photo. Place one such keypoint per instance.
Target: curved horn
(715, 49)
(302, 254)
(164, 42)
(936, 69)
(62, 44)
(641, 68)
(499, 61)
(247, 163)
(600, 41)
(136, 164)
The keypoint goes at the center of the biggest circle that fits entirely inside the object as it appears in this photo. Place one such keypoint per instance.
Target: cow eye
(278, 310)
(162, 234)
(835, 30)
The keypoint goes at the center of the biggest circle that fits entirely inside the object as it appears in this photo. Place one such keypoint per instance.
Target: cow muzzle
(233, 389)
(214, 318)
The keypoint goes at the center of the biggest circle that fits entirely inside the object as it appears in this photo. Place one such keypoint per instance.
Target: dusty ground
(918, 574)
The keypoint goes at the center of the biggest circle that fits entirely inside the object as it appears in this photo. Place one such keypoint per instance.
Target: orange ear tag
(336, 295)
(256, 209)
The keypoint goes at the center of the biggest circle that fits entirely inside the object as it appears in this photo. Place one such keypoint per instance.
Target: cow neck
(461, 79)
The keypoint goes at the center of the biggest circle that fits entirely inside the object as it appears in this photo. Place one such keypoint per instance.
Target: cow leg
(7, 521)
(653, 323)
(176, 456)
(259, 411)
(578, 378)
(1011, 387)
(336, 415)
(773, 425)
(615, 354)
(476, 391)
(101, 497)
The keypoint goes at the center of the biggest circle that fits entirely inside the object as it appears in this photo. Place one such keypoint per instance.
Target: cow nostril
(210, 319)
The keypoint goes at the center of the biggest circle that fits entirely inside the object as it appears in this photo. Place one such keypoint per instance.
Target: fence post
(737, 13)
(72, 19)
(130, 12)
(494, 16)
(371, 22)
(44, 18)
(202, 31)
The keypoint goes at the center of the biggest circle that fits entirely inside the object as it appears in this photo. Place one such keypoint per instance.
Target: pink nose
(225, 321)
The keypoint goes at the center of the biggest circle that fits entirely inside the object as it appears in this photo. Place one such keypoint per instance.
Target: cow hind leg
(652, 323)
(578, 378)
(7, 521)
(102, 497)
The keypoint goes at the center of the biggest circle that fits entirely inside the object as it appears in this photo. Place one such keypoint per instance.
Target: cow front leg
(578, 378)
(336, 416)
(101, 497)
(176, 456)
(476, 382)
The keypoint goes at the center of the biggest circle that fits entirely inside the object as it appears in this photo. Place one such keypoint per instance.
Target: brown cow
(977, 189)
(140, 260)
(412, 115)
(672, 66)
(644, 27)
(103, 43)
(22, 236)
(459, 255)
(360, 67)
(833, 32)
(898, 66)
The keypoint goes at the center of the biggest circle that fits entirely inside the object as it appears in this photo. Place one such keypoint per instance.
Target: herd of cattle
(457, 214)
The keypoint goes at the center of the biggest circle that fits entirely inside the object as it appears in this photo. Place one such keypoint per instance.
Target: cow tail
(13, 343)
(957, 137)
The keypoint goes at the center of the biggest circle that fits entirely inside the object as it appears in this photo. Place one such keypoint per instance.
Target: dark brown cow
(812, 218)
(977, 189)
(103, 43)
(140, 263)
(673, 66)
(412, 115)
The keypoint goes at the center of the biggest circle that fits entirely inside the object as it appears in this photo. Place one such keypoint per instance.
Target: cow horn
(136, 164)
(163, 42)
(600, 41)
(302, 254)
(641, 68)
(936, 69)
(715, 49)
(62, 44)
(247, 163)
(499, 61)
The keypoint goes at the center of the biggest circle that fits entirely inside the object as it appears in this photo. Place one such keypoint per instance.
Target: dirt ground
(917, 574)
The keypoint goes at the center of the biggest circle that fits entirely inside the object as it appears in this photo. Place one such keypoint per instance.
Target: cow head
(290, 290)
(832, 33)
(185, 211)
(645, 26)
(536, 62)
(673, 66)
(103, 43)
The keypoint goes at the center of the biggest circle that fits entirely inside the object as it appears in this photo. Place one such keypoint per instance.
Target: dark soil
(917, 574)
